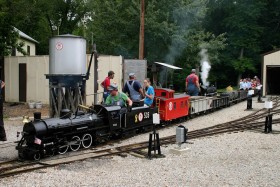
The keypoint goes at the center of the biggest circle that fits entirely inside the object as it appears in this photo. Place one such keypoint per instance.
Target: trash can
(181, 134)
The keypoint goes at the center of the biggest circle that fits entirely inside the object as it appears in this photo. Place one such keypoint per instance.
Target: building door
(272, 80)
(22, 82)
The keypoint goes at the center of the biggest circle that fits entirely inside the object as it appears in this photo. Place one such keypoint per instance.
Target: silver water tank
(67, 55)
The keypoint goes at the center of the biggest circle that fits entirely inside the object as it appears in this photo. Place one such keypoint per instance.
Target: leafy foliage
(234, 32)
(8, 35)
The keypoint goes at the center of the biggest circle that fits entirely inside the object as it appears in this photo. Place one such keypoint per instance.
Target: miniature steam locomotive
(47, 137)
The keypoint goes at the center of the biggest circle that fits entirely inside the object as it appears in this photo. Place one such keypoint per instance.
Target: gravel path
(249, 158)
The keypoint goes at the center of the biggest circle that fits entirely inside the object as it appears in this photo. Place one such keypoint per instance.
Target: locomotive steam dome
(67, 55)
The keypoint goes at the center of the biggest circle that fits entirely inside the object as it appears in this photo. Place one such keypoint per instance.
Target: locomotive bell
(25, 119)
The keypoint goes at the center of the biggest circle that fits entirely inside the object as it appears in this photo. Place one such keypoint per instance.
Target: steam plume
(205, 66)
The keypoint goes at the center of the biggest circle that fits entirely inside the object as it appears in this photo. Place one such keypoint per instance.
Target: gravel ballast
(249, 158)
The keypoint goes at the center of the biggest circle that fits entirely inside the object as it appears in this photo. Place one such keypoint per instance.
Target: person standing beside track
(133, 88)
(192, 84)
(259, 88)
(2, 129)
(106, 83)
(149, 94)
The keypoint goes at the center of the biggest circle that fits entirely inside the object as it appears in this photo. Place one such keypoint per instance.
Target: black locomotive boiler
(47, 137)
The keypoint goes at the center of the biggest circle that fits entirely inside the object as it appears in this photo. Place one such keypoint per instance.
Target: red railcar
(171, 106)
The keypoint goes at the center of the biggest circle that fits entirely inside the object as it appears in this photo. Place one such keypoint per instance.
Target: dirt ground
(11, 110)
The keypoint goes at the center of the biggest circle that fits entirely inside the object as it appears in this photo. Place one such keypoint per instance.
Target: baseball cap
(113, 87)
(193, 70)
(131, 74)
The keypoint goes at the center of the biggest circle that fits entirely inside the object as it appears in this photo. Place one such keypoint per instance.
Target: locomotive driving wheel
(75, 143)
(86, 140)
(63, 147)
(37, 156)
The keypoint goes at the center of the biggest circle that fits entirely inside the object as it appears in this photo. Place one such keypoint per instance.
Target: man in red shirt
(106, 83)
(192, 84)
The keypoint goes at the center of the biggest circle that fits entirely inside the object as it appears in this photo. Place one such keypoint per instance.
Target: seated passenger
(248, 84)
(229, 88)
(116, 97)
(149, 94)
(253, 83)
(242, 85)
(257, 79)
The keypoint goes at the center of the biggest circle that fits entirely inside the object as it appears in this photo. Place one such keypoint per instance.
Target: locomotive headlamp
(25, 119)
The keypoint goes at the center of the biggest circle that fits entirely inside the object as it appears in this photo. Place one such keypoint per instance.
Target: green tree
(199, 40)
(170, 26)
(239, 19)
(64, 16)
(8, 35)
(115, 27)
(42, 19)
(30, 18)
(270, 20)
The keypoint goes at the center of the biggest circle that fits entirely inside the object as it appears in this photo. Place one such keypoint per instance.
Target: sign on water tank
(59, 46)
(156, 118)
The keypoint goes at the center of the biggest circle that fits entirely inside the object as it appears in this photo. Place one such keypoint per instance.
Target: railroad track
(251, 121)
(14, 167)
(8, 144)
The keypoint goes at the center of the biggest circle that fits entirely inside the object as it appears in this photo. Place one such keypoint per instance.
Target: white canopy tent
(167, 66)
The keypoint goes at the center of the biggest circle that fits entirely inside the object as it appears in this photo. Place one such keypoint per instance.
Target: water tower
(67, 73)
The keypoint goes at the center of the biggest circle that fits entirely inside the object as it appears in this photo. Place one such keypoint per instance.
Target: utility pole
(141, 35)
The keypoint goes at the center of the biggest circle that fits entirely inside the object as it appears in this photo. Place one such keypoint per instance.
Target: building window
(28, 50)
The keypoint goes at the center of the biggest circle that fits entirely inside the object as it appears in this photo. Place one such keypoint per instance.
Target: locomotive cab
(112, 115)
(121, 119)
(115, 115)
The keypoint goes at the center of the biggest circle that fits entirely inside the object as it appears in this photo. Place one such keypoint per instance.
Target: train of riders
(248, 84)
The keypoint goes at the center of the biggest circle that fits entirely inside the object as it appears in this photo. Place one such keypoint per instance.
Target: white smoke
(205, 66)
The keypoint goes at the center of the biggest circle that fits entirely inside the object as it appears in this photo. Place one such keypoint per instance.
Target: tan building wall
(269, 60)
(105, 64)
(38, 86)
(36, 83)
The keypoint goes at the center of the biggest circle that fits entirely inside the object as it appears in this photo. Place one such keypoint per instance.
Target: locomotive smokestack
(37, 116)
